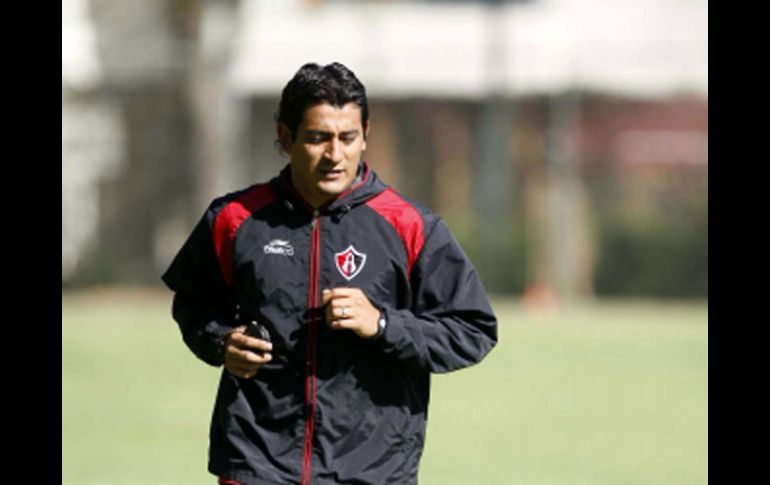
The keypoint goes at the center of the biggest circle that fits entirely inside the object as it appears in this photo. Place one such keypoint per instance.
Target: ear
(366, 134)
(284, 136)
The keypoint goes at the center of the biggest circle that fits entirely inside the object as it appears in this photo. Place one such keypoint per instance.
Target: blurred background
(565, 142)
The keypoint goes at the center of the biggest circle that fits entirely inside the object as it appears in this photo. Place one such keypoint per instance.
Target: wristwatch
(382, 321)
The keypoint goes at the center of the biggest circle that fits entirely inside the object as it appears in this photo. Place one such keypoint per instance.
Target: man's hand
(349, 308)
(241, 360)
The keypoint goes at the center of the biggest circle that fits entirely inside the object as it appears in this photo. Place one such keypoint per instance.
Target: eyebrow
(321, 132)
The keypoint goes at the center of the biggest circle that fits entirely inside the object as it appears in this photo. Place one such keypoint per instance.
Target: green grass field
(606, 393)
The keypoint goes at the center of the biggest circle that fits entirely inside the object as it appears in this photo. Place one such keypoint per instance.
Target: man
(363, 295)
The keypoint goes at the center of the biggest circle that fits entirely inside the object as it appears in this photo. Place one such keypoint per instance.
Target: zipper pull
(315, 218)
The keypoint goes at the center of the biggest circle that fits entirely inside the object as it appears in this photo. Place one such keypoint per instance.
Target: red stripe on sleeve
(405, 220)
(230, 219)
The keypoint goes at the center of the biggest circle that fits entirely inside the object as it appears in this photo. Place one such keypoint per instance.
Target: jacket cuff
(214, 350)
(395, 340)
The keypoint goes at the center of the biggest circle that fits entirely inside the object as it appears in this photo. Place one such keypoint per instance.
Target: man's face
(326, 151)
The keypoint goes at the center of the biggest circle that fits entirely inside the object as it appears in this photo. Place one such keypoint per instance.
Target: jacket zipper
(310, 362)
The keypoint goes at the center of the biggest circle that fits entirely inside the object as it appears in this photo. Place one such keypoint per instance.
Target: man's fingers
(349, 308)
(340, 292)
(243, 356)
(342, 323)
(243, 372)
(240, 370)
(245, 342)
(255, 358)
(247, 364)
(340, 308)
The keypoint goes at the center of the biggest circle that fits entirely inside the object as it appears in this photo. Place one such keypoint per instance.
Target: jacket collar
(366, 185)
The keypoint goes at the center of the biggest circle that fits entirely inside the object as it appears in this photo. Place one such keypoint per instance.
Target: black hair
(314, 84)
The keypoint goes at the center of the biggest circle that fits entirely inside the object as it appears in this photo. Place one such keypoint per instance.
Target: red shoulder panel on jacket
(405, 220)
(230, 219)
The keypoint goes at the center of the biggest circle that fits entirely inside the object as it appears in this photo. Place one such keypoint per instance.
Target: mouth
(332, 174)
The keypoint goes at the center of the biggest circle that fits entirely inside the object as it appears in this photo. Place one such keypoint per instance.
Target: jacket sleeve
(451, 324)
(203, 306)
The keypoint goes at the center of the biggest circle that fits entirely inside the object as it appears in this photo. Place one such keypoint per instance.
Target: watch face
(382, 321)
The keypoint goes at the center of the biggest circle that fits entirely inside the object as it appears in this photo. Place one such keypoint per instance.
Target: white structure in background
(91, 141)
(92, 136)
(80, 68)
(634, 47)
(484, 52)
(637, 47)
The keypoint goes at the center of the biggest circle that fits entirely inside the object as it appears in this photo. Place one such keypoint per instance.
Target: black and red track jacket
(330, 407)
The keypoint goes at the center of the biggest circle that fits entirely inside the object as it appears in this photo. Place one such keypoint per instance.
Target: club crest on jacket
(350, 262)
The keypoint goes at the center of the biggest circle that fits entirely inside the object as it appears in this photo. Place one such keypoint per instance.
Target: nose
(334, 150)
